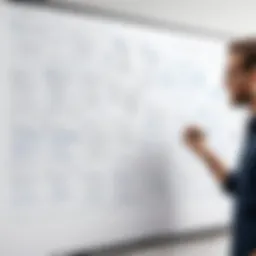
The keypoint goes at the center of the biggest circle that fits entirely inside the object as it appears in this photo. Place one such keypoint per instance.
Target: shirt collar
(252, 125)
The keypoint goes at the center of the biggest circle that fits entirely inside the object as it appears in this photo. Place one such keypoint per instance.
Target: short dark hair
(247, 48)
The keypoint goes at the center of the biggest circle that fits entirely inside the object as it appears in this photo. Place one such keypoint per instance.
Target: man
(241, 87)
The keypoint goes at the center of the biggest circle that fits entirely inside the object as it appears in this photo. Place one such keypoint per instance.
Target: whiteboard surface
(94, 112)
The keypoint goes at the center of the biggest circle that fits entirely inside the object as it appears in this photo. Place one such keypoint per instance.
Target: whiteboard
(95, 111)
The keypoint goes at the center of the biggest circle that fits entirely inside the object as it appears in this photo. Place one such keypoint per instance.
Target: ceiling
(233, 17)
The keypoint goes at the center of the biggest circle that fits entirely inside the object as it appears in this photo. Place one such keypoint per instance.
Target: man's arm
(214, 163)
(196, 140)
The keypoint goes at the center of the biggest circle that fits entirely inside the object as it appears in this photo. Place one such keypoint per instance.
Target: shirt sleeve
(230, 185)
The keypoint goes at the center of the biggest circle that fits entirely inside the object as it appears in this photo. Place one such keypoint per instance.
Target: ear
(252, 76)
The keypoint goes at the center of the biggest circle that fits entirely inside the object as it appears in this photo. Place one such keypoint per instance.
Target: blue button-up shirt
(242, 184)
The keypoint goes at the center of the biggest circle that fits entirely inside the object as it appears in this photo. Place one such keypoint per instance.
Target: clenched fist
(195, 138)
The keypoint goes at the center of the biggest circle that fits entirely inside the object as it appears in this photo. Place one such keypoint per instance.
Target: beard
(242, 99)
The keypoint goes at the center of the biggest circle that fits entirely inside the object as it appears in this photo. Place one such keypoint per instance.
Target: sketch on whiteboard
(24, 193)
(118, 55)
(62, 141)
(56, 81)
(25, 145)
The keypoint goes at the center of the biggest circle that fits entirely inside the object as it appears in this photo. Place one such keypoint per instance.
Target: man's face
(237, 80)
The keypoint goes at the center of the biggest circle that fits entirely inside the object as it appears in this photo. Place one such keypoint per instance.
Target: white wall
(232, 17)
